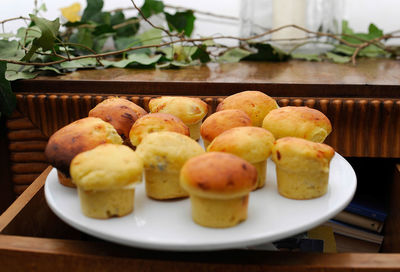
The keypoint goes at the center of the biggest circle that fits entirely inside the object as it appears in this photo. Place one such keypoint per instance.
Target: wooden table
(362, 102)
(33, 239)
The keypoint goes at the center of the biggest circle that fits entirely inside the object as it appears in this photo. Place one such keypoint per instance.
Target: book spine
(364, 211)
(344, 229)
(359, 221)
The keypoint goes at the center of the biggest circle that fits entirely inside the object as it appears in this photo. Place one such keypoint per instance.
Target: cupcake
(154, 122)
(79, 136)
(256, 104)
(119, 112)
(302, 167)
(219, 185)
(105, 177)
(221, 121)
(163, 154)
(302, 122)
(253, 144)
(190, 110)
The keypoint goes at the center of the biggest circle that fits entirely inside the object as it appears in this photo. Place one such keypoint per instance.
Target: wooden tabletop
(368, 78)
(33, 239)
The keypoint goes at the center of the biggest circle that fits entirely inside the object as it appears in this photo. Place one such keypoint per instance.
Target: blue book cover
(367, 207)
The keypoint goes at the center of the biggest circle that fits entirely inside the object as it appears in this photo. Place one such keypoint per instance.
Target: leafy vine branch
(44, 47)
(357, 47)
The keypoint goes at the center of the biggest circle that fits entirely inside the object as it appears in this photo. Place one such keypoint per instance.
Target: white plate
(168, 225)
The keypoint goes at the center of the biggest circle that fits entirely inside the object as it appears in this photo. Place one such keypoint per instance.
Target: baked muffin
(302, 122)
(119, 112)
(154, 122)
(163, 154)
(221, 121)
(81, 135)
(105, 177)
(256, 104)
(253, 144)
(219, 185)
(190, 110)
(302, 167)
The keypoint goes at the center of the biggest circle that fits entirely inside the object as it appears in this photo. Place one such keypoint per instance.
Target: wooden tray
(33, 238)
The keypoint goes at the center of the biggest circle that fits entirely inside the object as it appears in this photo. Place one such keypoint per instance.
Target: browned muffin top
(218, 175)
(255, 103)
(119, 112)
(221, 121)
(81, 135)
(155, 122)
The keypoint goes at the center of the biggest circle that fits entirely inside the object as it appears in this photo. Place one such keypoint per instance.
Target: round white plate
(169, 226)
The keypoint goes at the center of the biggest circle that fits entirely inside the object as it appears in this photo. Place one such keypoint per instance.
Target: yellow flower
(71, 13)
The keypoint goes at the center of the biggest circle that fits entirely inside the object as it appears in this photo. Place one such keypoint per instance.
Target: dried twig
(14, 19)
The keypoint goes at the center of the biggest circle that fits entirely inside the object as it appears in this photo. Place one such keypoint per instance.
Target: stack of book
(359, 227)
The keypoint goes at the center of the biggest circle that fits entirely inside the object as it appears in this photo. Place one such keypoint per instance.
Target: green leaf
(42, 8)
(76, 24)
(16, 71)
(28, 34)
(51, 69)
(49, 31)
(150, 37)
(103, 29)
(10, 50)
(337, 58)
(344, 49)
(102, 18)
(83, 36)
(8, 100)
(234, 55)
(167, 51)
(125, 42)
(307, 57)
(181, 21)
(151, 7)
(92, 9)
(266, 52)
(201, 54)
(81, 63)
(141, 59)
(7, 35)
(374, 31)
(117, 18)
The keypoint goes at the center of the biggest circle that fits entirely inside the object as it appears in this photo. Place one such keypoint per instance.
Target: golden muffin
(154, 122)
(221, 121)
(302, 122)
(119, 112)
(253, 144)
(163, 154)
(302, 167)
(81, 135)
(256, 104)
(105, 177)
(219, 185)
(190, 110)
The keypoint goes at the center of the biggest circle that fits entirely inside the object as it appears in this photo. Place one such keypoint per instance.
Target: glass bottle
(259, 16)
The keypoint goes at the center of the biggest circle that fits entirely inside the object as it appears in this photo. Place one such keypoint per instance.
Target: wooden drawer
(33, 239)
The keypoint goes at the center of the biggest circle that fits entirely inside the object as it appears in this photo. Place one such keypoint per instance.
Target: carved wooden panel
(361, 127)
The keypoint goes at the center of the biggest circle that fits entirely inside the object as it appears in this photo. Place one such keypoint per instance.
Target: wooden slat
(28, 146)
(23, 179)
(19, 123)
(54, 255)
(30, 167)
(27, 157)
(32, 134)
